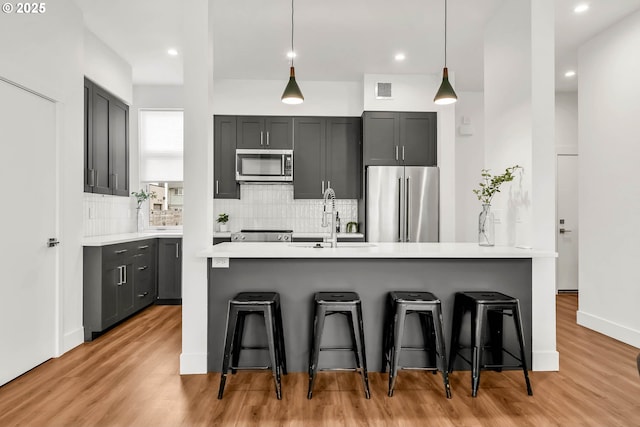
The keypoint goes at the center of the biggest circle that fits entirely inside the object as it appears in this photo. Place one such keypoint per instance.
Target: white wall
(567, 122)
(519, 118)
(469, 163)
(104, 66)
(44, 53)
(608, 178)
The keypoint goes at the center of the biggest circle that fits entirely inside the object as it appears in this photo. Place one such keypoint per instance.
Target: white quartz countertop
(369, 250)
(300, 235)
(129, 237)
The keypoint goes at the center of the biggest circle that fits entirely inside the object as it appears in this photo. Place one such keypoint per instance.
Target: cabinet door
(125, 297)
(144, 279)
(251, 132)
(343, 156)
(100, 151)
(279, 133)
(88, 149)
(111, 278)
(169, 269)
(119, 146)
(418, 139)
(309, 158)
(224, 158)
(380, 139)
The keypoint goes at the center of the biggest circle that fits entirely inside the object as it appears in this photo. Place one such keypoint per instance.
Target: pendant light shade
(292, 93)
(446, 94)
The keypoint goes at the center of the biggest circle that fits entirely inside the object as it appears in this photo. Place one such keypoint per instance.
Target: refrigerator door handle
(406, 212)
(399, 209)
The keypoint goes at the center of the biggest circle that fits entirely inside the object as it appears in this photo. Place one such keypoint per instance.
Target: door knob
(563, 230)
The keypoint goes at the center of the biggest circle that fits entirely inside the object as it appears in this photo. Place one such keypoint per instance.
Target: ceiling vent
(383, 91)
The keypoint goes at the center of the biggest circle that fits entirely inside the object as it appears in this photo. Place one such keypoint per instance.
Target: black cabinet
(399, 138)
(327, 153)
(224, 153)
(268, 132)
(170, 271)
(106, 142)
(118, 280)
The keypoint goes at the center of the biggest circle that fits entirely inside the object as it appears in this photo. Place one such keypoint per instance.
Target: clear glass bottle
(486, 227)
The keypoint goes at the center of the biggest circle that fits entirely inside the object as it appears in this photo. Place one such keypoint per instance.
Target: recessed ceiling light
(570, 73)
(400, 57)
(581, 8)
(291, 54)
(172, 52)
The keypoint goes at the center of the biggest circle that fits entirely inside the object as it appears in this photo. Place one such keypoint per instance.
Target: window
(161, 164)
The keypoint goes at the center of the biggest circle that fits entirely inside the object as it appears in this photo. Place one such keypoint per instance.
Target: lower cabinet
(118, 280)
(170, 271)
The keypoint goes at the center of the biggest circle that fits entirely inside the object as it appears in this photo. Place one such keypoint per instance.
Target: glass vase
(140, 216)
(486, 227)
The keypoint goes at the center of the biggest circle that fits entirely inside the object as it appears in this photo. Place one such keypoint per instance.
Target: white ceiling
(334, 39)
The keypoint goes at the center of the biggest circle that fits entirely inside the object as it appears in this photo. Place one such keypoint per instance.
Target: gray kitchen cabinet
(327, 153)
(106, 142)
(169, 271)
(114, 277)
(224, 157)
(399, 138)
(265, 132)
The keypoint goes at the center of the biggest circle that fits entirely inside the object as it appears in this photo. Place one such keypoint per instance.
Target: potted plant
(223, 218)
(141, 196)
(488, 188)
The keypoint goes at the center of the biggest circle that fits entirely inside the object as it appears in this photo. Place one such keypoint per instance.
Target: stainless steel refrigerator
(402, 204)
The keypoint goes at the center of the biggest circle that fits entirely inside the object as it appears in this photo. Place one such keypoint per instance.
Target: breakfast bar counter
(298, 270)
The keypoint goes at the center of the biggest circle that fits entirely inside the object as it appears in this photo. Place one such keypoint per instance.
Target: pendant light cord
(445, 32)
(293, 54)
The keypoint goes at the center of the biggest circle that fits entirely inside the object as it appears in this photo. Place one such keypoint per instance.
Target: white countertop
(129, 237)
(369, 250)
(299, 235)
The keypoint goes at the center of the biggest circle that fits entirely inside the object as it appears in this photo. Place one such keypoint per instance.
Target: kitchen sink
(320, 245)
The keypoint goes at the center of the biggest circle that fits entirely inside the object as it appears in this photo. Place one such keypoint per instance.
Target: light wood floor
(129, 377)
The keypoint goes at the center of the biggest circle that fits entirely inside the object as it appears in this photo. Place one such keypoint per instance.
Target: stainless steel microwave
(264, 165)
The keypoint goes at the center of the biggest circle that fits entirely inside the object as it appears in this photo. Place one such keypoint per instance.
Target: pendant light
(446, 94)
(292, 93)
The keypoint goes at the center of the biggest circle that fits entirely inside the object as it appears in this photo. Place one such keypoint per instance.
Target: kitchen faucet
(333, 238)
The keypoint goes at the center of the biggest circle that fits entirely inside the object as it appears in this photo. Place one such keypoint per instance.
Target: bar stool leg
(477, 315)
(363, 354)
(280, 329)
(387, 334)
(237, 339)
(318, 326)
(517, 320)
(458, 313)
(441, 348)
(396, 346)
(232, 318)
(270, 326)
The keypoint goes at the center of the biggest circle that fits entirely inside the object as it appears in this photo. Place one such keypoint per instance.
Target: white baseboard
(193, 363)
(71, 340)
(611, 329)
(546, 361)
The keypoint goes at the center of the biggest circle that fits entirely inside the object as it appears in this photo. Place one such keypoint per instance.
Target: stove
(262, 236)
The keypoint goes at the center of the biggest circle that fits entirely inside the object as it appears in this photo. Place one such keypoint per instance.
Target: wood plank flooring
(129, 377)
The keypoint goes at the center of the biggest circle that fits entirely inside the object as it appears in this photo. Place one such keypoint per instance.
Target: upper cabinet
(106, 142)
(224, 158)
(268, 132)
(399, 138)
(327, 154)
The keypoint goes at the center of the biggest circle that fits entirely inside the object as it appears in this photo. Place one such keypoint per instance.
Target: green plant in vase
(487, 189)
(142, 196)
(223, 218)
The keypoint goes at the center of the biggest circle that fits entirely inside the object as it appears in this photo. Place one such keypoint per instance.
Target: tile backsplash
(272, 206)
(104, 214)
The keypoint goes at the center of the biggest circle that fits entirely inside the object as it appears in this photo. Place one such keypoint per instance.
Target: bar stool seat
(349, 305)
(426, 305)
(266, 304)
(489, 307)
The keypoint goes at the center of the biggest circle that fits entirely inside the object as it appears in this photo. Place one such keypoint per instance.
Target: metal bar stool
(348, 304)
(428, 307)
(266, 304)
(488, 307)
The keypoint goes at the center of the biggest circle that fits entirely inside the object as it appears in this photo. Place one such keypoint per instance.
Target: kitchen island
(297, 270)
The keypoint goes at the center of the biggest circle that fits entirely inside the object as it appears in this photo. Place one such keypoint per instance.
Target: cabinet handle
(267, 138)
(399, 209)
(403, 153)
(142, 295)
(121, 251)
(217, 187)
(396, 152)
(115, 175)
(143, 247)
(177, 250)
(119, 276)
(406, 209)
(328, 184)
(261, 136)
(322, 187)
(92, 178)
(144, 267)
(124, 274)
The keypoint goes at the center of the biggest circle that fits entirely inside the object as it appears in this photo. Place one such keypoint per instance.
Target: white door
(567, 226)
(28, 265)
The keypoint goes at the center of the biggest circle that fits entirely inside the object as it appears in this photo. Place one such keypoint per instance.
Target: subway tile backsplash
(272, 206)
(104, 214)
